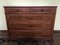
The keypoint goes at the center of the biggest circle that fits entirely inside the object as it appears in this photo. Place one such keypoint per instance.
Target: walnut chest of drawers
(30, 22)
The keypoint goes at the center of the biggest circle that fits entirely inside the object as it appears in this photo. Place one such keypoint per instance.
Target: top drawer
(17, 10)
(43, 10)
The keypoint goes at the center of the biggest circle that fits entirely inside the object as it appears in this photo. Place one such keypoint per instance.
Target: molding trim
(5, 31)
(56, 31)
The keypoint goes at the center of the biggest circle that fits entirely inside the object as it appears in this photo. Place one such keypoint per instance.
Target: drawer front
(30, 26)
(17, 10)
(30, 34)
(25, 17)
(42, 10)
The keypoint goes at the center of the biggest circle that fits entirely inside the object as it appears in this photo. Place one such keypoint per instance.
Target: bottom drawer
(30, 33)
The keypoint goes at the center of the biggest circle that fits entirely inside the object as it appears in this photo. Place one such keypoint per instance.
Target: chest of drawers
(30, 22)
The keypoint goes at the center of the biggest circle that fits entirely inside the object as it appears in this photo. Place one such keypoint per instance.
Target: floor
(56, 41)
(57, 38)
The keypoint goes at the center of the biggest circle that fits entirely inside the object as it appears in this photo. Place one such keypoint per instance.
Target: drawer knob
(42, 10)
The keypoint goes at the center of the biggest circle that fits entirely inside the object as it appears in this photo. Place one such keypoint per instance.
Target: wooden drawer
(41, 26)
(28, 17)
(17, 10)
(30, 34)
(42, 10)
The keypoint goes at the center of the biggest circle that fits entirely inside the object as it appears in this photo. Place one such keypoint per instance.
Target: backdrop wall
(3, 3)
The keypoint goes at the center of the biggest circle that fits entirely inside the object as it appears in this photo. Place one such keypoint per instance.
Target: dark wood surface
(30, 22)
